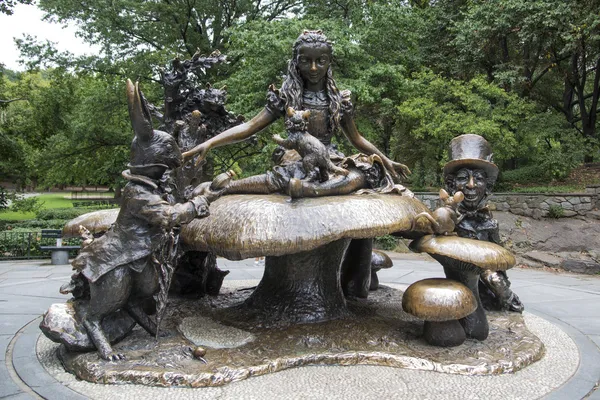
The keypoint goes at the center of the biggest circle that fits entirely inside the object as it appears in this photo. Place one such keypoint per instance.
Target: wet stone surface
(377, 332)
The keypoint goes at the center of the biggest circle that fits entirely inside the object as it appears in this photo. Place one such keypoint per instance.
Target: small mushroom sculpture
(441, 303)
(379, 260)
(96, 222)
(463, 261)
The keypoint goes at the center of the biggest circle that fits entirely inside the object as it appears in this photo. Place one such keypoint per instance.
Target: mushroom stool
(304, 241)
(463, 261)
(97, 222)
(441, 303)
(379, 260)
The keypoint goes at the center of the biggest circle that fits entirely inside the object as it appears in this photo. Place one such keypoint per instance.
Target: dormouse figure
(315, 156)
(444, 219)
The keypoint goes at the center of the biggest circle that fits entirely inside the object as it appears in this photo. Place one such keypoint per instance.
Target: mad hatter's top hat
(471, 151)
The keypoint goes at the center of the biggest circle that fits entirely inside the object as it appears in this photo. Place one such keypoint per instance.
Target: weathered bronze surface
(375, 332)
(472, 172)
(132, 263)
(244, 226)
(441, 303)
(438, 299)
(471, 151)
(464, 260)
(97, 222)
(443, 220)
(308, 86)
(303, 278)
(316, 162)
(480, 254)
(379, 260)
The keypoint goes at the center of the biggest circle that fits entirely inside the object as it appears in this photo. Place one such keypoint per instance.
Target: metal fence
(26, 245)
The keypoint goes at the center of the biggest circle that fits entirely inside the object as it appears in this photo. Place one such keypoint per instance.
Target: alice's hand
(397, 170)
(201, 150)
(402, 170)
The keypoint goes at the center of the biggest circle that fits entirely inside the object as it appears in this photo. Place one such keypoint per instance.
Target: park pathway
(27, 288)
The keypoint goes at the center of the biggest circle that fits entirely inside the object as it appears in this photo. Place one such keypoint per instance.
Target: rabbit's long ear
(141, 121)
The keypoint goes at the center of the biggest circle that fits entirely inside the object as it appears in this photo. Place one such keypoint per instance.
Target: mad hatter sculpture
(133, 262)
(472, 172)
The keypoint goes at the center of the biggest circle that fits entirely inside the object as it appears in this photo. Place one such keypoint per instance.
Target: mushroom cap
(468, 253)
(380, 260)
(438, 299)
(243, 226)
(95, 222)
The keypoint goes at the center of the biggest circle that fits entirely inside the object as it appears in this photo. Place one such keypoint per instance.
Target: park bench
(59, 253)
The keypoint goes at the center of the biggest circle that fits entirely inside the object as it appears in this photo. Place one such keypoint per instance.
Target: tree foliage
(525, 74)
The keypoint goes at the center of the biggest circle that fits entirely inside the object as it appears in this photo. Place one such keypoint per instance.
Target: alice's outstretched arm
(396, 169)
(233, 135)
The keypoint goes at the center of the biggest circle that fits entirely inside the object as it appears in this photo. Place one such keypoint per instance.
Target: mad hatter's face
(473, 184)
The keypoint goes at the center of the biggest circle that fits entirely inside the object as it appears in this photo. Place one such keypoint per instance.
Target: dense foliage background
(523, 73)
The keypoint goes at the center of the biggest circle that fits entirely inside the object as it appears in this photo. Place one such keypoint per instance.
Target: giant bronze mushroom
(97, 222)
(441, 303)
(463, 261)
(379, 261)
(304, 242)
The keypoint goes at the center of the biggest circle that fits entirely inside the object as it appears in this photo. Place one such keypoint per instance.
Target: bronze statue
(444, 219)
(472, 172)
(309, 85)
(315, 157)
(133, 262)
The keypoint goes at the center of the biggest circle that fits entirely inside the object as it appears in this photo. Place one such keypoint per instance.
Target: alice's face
(473, 184)
(313, 62)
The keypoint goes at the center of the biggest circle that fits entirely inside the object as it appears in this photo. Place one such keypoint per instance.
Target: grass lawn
(51, 200)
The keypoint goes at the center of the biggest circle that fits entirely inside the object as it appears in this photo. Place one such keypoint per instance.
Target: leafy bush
(423, 179)
(19, 242)
(556, 211)
(545, 189)
(63, 213)
(387, 242)
(525, 175)
(3, 199)
(26, 204)
(23, 242)
(40, 224)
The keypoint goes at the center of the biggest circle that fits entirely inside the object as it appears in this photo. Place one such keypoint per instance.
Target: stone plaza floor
(559, 305)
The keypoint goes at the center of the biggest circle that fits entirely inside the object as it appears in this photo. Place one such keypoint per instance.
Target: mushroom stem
(301, 288)
(444, 333)
(374, 280)
(475, 324)
(356, 269)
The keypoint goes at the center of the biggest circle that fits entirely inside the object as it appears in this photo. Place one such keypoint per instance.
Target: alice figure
(309, 85)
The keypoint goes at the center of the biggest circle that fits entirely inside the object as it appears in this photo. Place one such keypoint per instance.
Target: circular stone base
(377, 332)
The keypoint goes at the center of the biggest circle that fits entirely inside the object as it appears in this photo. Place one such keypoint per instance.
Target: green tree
(548, 50)
(6, 6)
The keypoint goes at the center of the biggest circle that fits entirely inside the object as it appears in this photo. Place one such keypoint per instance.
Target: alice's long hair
(293, 84)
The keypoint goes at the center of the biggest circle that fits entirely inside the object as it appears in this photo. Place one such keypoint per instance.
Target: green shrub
(387, 242)
(41, 224)
(525, 175)
(26, 204)
(22, 242)
(556, 211)
(62, 213)
(3, 199)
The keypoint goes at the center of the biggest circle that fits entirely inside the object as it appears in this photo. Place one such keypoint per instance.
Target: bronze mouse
(444, 219)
